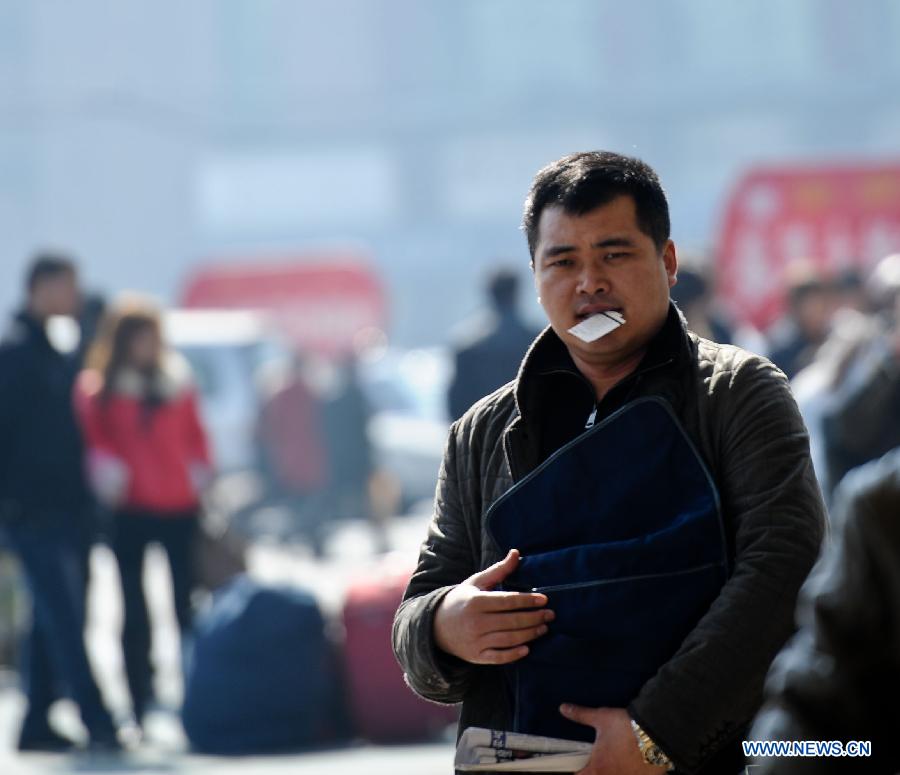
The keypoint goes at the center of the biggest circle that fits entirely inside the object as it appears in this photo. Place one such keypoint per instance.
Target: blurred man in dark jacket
(598, 231)
(693, 296)
(811, 302)
(43, 498)
(490, 355)
(862, 421)
(839, 678)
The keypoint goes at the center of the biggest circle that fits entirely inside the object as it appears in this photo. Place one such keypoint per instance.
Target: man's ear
(670, 261)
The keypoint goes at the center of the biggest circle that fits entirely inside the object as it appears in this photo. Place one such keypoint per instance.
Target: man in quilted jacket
(597, 225)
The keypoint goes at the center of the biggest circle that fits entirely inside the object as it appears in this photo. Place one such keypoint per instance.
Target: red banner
(836, 217)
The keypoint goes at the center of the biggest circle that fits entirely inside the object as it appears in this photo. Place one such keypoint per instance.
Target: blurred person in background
(149, 462)
(313, 436)
(43, 499)
(850, 291)
(693, 297)
(810, 306)
(837, 368)
(292, 448)
(838, 678)
(862, 421)
(345, 420)
(490, 353)
(289, 433)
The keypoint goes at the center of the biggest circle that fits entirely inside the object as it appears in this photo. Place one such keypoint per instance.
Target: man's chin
(605, 345)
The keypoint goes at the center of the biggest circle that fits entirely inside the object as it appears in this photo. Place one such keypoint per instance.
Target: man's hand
(615, 749)
(490, 628)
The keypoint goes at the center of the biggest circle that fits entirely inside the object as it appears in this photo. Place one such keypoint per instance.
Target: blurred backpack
(262, 677)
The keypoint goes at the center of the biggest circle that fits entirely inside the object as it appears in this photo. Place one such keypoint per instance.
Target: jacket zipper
(634, 378)
(507, 449)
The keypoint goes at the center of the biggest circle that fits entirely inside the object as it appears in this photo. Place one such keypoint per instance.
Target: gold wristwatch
(651, 752)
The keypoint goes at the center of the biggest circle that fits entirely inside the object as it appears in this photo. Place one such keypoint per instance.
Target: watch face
(650, 751)
(654, 756)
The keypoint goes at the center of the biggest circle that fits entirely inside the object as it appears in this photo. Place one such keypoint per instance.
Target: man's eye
(562, 262)
(615, 256)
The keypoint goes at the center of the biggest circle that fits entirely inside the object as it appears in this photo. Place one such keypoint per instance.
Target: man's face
(814, 312)
(597, 262)
(145, 348)
(57, 294)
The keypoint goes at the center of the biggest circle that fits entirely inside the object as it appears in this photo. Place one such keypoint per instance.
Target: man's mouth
(597, 309)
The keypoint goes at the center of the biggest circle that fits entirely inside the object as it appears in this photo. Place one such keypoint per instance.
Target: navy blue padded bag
(621, 528)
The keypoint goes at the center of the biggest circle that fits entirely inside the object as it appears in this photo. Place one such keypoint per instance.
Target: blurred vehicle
(226, 349)
(406, 391)
(321, 301)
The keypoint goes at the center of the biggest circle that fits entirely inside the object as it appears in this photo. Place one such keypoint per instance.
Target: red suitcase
(383, 707)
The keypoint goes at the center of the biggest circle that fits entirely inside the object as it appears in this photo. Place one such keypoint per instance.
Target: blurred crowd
(838, 342)
(100, 438)
(103, 440)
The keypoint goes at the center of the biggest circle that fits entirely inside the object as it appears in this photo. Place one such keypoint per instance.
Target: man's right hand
(490, 628)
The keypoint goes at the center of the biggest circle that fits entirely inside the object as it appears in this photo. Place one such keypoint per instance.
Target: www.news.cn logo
(758, 749)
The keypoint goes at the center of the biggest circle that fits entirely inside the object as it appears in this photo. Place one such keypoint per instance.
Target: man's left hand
(615, 749)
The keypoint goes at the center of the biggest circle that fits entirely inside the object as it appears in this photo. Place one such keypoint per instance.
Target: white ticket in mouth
(598, 325)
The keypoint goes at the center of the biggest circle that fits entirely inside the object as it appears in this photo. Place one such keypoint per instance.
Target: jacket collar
(548, 355)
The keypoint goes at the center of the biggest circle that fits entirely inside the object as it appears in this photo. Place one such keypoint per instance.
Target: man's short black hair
(581, 182)
(46, 265)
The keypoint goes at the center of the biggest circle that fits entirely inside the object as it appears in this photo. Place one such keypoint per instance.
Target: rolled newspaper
(491, 750)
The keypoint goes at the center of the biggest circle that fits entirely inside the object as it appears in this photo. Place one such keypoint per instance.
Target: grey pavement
(349, 555)
(407, 760)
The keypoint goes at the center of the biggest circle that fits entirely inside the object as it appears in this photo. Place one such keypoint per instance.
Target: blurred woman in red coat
(148, 461)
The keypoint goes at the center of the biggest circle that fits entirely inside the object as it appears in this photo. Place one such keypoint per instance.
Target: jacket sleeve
(703, 698)
(838, 679)
(447, 558)
(11, 394)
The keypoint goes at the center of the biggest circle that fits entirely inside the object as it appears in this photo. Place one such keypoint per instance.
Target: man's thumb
(490, 577)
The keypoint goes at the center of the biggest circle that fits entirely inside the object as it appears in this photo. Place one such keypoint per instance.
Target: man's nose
(593, 280)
